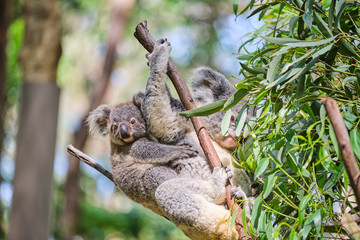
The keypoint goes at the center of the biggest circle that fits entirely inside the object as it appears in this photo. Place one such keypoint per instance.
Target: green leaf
(287, 75)
(323, 27)
(240, 120)
(256, 211)
(355, 142)
(347, 48)
(322, 114)
(281, 41)
(260, 97)
(225, 123)
(233, 218)
(311, 43)
(273, 68)
(263, 164)
(292, 23)
(205, 110)
(340, 8)
(253, 70)
(334, 141)
(236, 6)
(234, 99)
(269, 184)
(307, 19)
(302, 208)
(293, 235)
(331, 13)
(348, 79)
(317, 220)
(309, 111)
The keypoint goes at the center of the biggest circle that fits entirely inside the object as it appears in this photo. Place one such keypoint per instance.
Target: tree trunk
(4, 22)
(39, 57)
(121, 10)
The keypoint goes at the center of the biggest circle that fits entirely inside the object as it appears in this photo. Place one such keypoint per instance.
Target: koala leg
(191, 205)
(160, 109)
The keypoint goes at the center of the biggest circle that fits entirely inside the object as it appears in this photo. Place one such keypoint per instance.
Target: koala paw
(187, 152)
(159, 57)
(223, 173)
(238, 193)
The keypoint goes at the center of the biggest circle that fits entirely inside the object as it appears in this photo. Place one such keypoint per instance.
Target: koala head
(123, 122)
(212, 123)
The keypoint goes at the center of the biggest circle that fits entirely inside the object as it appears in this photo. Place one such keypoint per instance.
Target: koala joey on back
(151, 174)
(161, 112)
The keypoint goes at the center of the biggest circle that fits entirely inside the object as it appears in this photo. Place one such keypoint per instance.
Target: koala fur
(160, 176)
(139, 165)
(161, 112)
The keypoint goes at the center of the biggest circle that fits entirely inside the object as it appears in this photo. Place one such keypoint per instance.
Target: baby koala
(138, 164)
(160, 176)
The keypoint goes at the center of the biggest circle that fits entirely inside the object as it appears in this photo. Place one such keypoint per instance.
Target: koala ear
(98, 120)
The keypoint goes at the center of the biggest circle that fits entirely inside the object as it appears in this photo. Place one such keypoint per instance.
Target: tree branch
(344, 143)
(143, 35)
(89, 161)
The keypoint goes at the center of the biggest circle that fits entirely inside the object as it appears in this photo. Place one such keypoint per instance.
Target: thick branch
(144, 37)
(344, 143)
(89, 161)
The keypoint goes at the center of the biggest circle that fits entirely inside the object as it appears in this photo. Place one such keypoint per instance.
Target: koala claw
(223, 173)
(228, 171)
(238, 193)
(188, 152)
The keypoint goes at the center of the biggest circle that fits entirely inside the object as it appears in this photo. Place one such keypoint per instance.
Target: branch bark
(143, 35)
(89, 161)
(344, 143)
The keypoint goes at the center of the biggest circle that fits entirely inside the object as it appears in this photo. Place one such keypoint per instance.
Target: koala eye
(114, 126)
(232, 119)
(132, 120)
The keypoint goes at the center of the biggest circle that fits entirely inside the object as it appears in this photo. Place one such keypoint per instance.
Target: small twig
(89, 161)
(143, 35)
(343, 140)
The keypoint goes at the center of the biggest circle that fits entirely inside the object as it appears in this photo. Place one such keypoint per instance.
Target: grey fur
(161, 112)
(160, 176)
(138, 164)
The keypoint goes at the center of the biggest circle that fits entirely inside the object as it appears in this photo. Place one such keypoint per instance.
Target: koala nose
(124, 132)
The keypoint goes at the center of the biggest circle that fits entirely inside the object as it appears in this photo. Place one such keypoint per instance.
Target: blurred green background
(201, 33)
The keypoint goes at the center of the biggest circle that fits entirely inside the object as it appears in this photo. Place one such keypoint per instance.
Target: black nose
(124, 131)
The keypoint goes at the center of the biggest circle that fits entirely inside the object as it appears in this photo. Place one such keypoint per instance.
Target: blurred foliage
(189, 25)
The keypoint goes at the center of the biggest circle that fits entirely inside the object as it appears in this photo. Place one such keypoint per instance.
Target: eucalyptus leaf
(225, 123)
(308, 18)
(355, 142)
(281, 41)
(205, 110)
(302, 208)
(263, 164)
(273, 68)
(269, 184)
(292, 23)
(240, 120)
(256, 211)
(234, 99)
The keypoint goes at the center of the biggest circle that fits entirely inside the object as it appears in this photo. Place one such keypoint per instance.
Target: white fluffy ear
(98, 120)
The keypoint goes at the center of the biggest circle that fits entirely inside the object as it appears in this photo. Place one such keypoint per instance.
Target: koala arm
(144, 151)
(161, 110)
